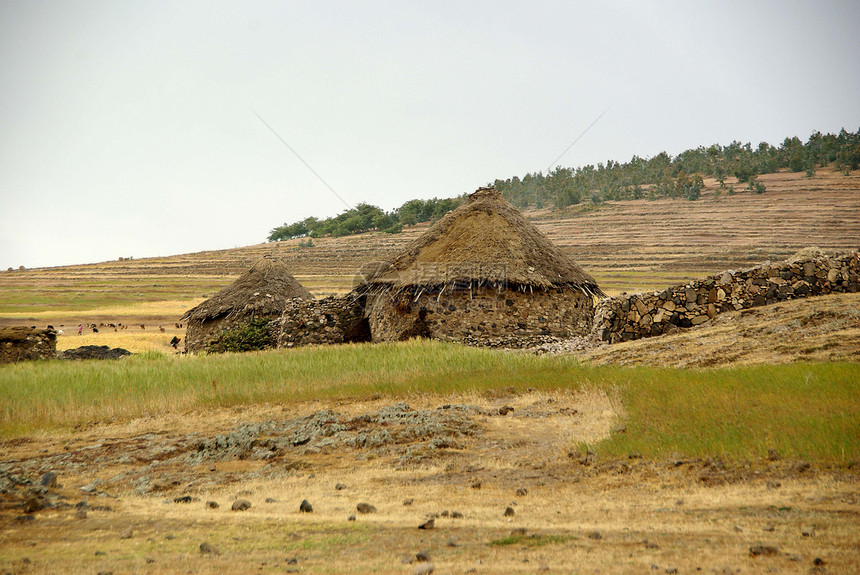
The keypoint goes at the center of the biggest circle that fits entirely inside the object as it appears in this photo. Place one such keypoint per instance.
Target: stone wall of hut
(636, 316)
(330, 320)
(26, 343)
(509, 317)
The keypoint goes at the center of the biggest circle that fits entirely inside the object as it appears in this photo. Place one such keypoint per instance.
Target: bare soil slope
(824, 328)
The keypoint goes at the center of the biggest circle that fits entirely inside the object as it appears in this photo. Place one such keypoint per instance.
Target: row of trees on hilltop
(681, 176)
(365, 217)
(654, 177)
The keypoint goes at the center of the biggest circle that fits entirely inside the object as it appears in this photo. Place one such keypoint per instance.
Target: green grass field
(802, 410)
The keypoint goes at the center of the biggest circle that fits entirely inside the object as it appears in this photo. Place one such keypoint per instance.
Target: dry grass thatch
(488, 241)
(262, 290)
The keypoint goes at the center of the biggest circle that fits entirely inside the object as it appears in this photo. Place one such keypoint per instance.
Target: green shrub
(252, 336)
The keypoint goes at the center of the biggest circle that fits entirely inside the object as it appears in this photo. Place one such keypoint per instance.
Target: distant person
(175, 342)
(80, 328)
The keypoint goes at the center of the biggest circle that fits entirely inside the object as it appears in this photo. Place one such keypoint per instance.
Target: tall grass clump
(801, 410)
(61, 394)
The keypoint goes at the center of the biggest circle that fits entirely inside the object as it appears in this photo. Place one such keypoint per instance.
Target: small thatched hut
(482, 273)
(260, 293)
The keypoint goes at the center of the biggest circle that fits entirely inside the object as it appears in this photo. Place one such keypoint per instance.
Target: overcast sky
(129, 128)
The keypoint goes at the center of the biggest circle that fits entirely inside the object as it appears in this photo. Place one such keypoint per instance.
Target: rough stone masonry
(630, 317)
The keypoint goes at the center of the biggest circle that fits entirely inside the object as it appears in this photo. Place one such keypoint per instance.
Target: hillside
(628, 246)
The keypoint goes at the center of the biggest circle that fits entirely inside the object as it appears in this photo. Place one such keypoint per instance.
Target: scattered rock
(769, 528)
(212, 505)
(509, 512)
(100, 553)
(519, 532)
(127, 534)
(738, 529)
(773, 455)
(80, 513)
(340, 487)
(49, 480)
(818, 562)
(423, 569)
(475, 484)
(456, 515)
(408, 502)
(306, 507)
(671, 570)
(651, 545)
(241, 505)
(807, 532)
(422, 556)
(452, 542)
(522, 492)
(774, 484)
(763, 551)
(365, 508)
(595, 535)
(183, 499)
(429, 524)
(271, 500)
(32, 504)
(505, 410)
(208, 549)
(351, 518)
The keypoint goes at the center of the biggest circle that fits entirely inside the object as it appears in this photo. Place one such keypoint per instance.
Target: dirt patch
(503, 476)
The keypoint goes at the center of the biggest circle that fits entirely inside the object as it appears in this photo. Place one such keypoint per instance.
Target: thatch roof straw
(485, 241)
(262, 290)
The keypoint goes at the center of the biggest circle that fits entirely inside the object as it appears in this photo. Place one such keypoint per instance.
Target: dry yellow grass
(688, 525)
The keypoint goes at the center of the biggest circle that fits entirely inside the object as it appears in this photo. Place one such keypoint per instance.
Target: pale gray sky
(128, 128)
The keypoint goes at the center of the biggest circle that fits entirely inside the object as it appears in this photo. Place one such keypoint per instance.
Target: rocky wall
(25, 343)
(510, 318)
(630, 317)
(329, 320)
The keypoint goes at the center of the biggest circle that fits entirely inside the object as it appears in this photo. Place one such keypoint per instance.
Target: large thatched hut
(482, 273)
(262, 292)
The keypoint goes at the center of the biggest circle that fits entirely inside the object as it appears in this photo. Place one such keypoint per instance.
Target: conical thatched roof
(262, 290)
(485, 240)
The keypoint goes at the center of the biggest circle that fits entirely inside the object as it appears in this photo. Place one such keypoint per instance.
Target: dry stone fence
(24, 343)
(630, 317)
(329, 320)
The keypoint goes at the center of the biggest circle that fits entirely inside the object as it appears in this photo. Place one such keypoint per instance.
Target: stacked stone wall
(630, 317)
(511, 318)
(330, 320)
(26, 343)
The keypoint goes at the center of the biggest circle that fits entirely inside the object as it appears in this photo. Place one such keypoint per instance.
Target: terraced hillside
(628, 246)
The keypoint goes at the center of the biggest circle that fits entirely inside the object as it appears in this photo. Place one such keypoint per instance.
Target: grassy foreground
(803, 410)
